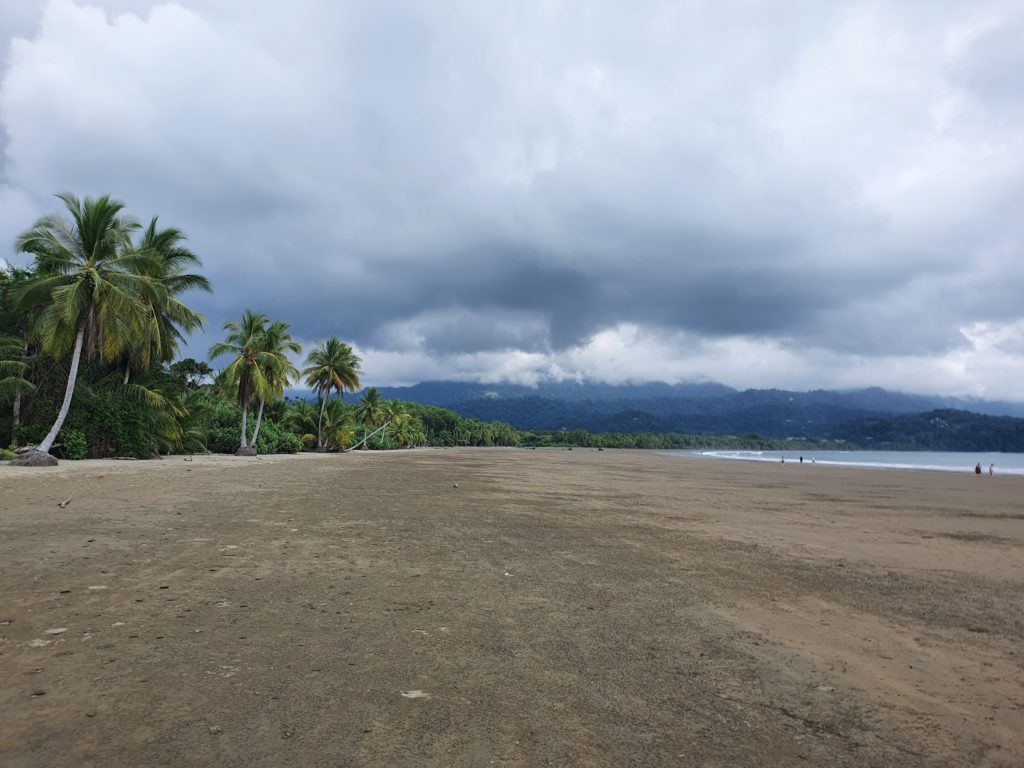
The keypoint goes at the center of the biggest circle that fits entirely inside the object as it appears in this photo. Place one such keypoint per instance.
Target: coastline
(290, 602)
(955, 462)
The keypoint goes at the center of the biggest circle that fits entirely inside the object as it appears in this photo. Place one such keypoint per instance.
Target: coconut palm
(338, 426)
(408, 434)
(370, 408)
(369, 412)
(275, 343)
(91, 287)
(168, 319)
(332, 366)
(245, 376)
(12, 370)
(393, 412)
(301, 418)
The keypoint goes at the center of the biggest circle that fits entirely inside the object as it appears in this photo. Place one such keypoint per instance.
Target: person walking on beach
(977, 468)
(991, 469)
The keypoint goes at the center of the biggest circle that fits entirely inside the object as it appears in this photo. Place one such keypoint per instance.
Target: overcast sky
(789, 193)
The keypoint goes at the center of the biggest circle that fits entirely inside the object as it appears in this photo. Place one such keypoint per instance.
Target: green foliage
(221, 425)
(74, 443)
(8, 454)
(112, 422)
(941, 430)
(191, 373)
(222, 439)
(275, 439)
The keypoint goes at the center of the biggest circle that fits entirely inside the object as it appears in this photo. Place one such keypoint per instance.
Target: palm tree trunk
(69, 391)
(16, 409)
(259, 419)
(15, 419)
(320, 424)
(245, 414)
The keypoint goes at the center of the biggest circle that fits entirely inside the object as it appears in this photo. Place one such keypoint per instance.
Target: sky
(796, 193)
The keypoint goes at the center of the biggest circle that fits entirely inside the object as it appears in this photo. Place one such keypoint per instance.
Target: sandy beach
(480, 607)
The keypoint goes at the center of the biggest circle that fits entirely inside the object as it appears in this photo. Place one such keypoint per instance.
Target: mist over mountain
(698, 408)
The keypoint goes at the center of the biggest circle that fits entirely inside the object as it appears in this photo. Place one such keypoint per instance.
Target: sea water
(929, 461)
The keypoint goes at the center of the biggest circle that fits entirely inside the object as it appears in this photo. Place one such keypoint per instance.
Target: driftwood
(65, 502)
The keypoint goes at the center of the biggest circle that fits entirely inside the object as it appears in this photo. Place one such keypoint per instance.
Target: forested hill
(867, 417)
(943, 430)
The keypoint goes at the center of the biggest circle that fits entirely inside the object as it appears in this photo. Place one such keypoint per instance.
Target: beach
(475, 607)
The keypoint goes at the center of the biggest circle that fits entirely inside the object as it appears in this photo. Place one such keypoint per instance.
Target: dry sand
(555, 608)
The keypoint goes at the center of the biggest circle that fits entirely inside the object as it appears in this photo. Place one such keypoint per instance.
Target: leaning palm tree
(332, 366)
(92, 289)
(168, 319)
(245, 376)
(279, 372)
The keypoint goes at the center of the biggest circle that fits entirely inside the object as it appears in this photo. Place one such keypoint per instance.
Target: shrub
(222, 439)
(74, 443)
(274, 439)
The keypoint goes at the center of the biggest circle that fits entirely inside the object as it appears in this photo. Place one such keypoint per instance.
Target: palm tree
(301, 418)
(408, 434)
(370, 411)
(245, 376)
(393, 412)
(338, 426)
(91, 287)
(12, 370)
(167, 318)
(332, 366)
(279, 372)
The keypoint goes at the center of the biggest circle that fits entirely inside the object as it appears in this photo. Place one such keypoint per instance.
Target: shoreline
(958, 469)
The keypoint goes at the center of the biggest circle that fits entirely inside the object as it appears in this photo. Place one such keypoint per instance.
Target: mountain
(445, 392)
(699, 408)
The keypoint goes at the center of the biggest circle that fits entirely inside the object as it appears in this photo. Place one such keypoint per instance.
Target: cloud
(799, 195)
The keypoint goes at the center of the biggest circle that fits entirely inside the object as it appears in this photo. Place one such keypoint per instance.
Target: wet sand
(508, 607)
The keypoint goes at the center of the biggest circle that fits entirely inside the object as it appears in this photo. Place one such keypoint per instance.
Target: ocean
(922, 461)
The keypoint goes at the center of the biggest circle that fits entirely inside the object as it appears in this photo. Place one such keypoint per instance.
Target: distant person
(977, 468)
(991, 469)
(783, 459)
(801, 459)
(812, 460)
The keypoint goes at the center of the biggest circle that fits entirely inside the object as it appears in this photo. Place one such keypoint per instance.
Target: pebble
(214, 730)
(57, 631)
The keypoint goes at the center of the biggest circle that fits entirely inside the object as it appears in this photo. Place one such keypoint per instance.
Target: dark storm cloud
(666, 190)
